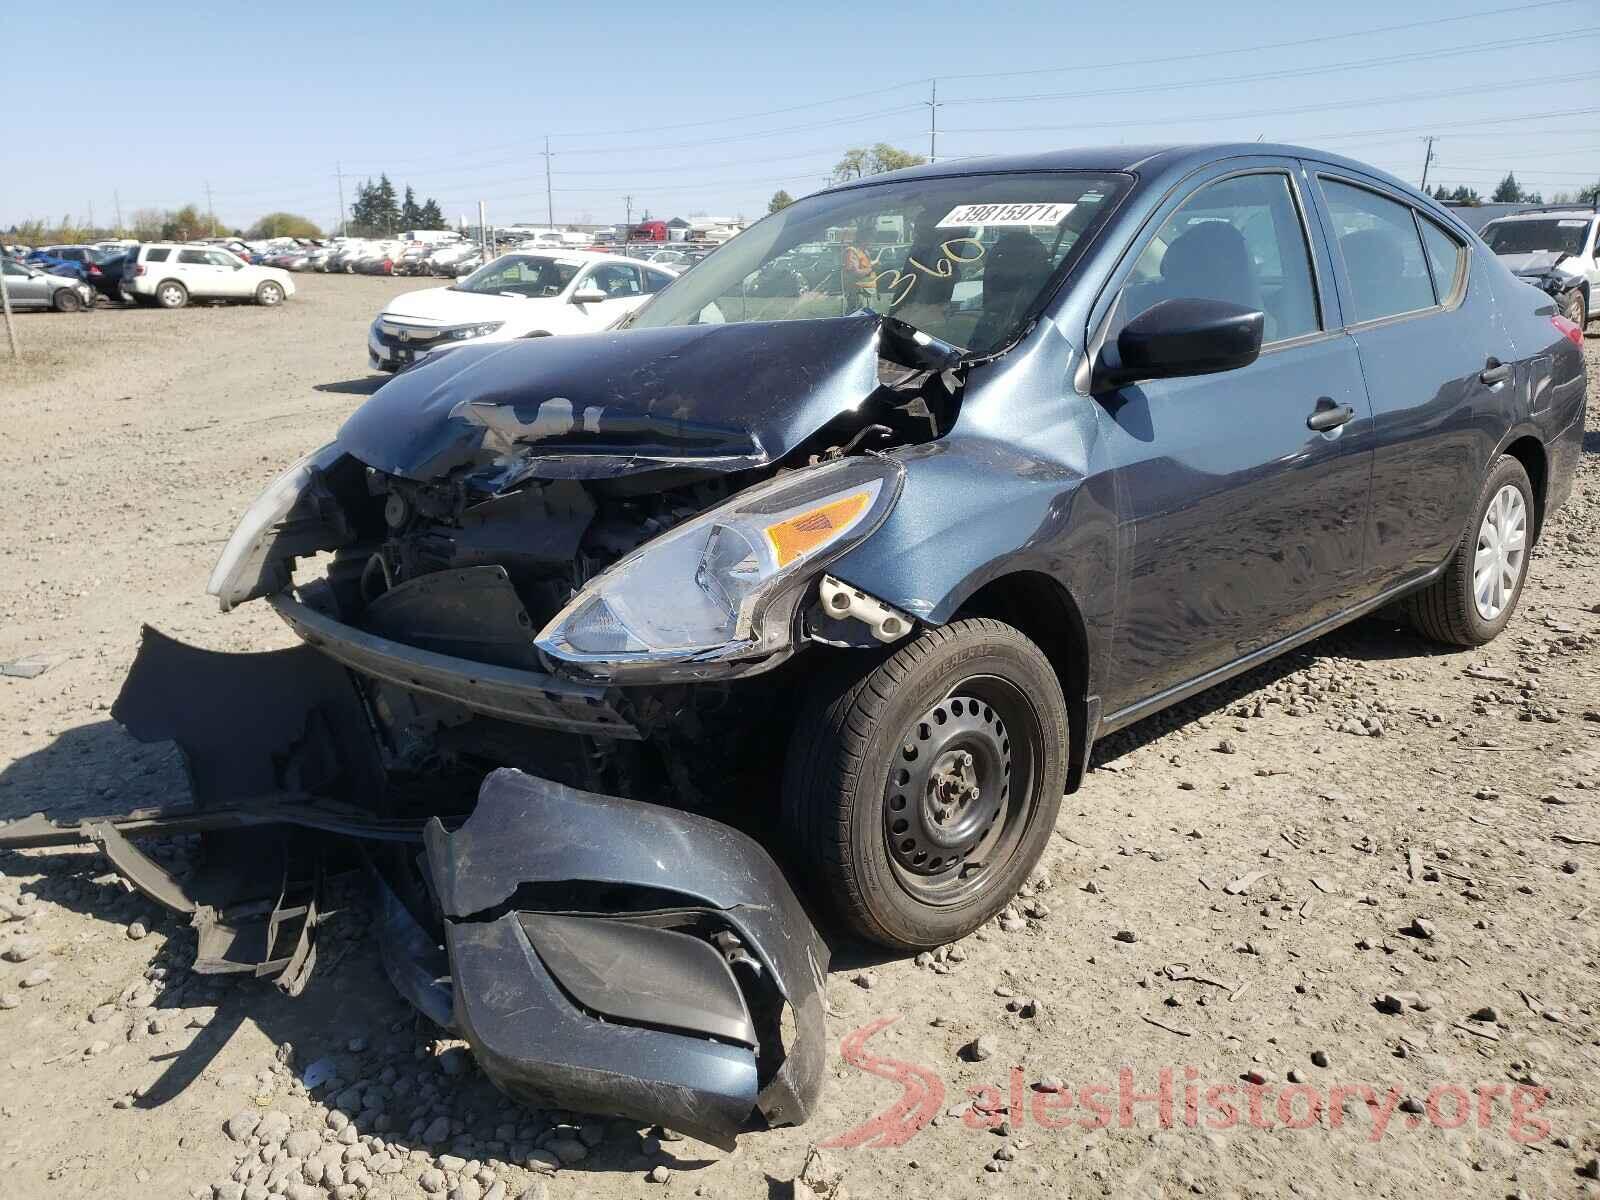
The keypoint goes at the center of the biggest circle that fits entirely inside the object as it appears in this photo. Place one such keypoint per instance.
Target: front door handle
(1494, 372)
(1328, 415)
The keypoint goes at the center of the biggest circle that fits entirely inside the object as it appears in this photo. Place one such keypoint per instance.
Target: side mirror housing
(1177, 338)
(589, 295)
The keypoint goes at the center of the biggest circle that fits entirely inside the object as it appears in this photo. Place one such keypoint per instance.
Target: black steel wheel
(922, 787)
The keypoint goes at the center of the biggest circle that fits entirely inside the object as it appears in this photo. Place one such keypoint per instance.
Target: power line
(1430, 23)
(1495, 46)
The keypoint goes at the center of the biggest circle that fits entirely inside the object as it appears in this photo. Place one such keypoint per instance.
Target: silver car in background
(28, 287)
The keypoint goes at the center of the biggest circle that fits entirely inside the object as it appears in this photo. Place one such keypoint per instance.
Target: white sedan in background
(519, 295)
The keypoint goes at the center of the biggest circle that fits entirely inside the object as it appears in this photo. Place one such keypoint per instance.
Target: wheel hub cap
(949, 786)
(1502, 549)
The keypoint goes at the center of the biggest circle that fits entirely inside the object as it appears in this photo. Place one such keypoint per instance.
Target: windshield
(1564, 235)
(536, 276)
(966, 259)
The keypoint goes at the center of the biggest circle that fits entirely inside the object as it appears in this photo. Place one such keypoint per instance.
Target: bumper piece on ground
(618, 957)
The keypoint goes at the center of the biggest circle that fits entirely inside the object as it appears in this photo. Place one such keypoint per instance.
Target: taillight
(138, 269)
(1568, 329)
(93, 270)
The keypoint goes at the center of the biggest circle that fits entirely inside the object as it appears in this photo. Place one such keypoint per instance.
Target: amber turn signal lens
(816, 527)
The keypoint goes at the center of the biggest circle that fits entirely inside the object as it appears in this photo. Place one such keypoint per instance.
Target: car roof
(1152, 159)
(587, 256)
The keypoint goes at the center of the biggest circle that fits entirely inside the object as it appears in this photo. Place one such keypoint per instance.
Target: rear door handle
(1329, 415)
(1494, 372)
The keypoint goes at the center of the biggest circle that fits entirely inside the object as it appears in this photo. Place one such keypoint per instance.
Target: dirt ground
(1372, 864)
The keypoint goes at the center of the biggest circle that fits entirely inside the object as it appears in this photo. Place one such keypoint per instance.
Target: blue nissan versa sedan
(857, 564)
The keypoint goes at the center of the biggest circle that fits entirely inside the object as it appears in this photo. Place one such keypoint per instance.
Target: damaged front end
(548, 596)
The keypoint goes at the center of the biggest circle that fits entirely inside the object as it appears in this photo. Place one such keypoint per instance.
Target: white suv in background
(171, 274)
(1557, 249)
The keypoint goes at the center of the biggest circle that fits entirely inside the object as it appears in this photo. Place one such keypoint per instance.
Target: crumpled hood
(442, 306)
(1533, 262)
(716, 397)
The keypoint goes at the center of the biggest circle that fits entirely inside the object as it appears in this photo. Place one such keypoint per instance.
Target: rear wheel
(1473, 600)
(66, 300)
(269, 294)
(923, 791)
(172, 294)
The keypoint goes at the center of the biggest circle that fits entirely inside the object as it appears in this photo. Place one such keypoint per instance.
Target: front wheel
(1473, 600)
(923, 791)
(269, 294)
(1577, 308)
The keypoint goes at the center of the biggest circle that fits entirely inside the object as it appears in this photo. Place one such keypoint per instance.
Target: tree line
(1509, 191)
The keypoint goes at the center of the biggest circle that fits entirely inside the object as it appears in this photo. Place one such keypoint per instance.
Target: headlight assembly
(723, 585)
(472, 331)
(244, 571)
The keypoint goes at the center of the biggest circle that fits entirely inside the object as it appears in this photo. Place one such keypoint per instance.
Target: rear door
(1246, 521)
(1437, 362)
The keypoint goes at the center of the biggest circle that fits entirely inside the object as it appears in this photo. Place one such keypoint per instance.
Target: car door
(1437, 361)
(25, 288)
(233, 278)
(198, 273)
(1242, 495)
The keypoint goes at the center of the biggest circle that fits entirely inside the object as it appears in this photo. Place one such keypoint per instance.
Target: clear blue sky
(711, 106)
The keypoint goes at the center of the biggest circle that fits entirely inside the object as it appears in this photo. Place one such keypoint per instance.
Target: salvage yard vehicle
(851, 577)
(1557, 249)
(29, 287)
(518, 295)
(170, 274)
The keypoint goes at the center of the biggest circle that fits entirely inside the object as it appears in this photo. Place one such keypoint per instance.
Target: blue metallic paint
(1197, 524)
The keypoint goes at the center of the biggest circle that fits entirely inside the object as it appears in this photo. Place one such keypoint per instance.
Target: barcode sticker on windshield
(1571, 224)
(1005, 214)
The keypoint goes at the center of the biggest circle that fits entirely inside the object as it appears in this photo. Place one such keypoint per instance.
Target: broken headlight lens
(723, 585)
(243, 572)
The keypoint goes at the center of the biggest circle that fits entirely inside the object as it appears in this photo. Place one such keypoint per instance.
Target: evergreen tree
(430, 217)
(410, 214)
(387, 207)
(780, 201)
(1509, 191)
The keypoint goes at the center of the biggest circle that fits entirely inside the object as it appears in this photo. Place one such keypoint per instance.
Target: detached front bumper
(612, 956)
(599, 954)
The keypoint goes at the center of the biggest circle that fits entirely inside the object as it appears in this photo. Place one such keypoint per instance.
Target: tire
(1576, 309)
(904, 723)
(171, 294)
(1450, 610)
(65, 300)
(269, 294)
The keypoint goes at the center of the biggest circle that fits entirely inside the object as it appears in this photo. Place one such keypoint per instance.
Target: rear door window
(654, 281)
(1447, 259)
(1382, 251)
(194, 258)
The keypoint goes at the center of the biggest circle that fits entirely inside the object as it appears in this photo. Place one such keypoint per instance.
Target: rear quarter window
(159, 254)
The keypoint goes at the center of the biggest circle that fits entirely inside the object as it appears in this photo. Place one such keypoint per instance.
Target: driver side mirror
(589, 294)
(1177, 338)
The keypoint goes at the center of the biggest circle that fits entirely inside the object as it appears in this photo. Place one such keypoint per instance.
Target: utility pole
(933, 120)
(628, 224)
(344, 224)
(116, 198)
(1427, 160)
(91, 217)
(549, 205)
(483, 231)
(211, 213)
